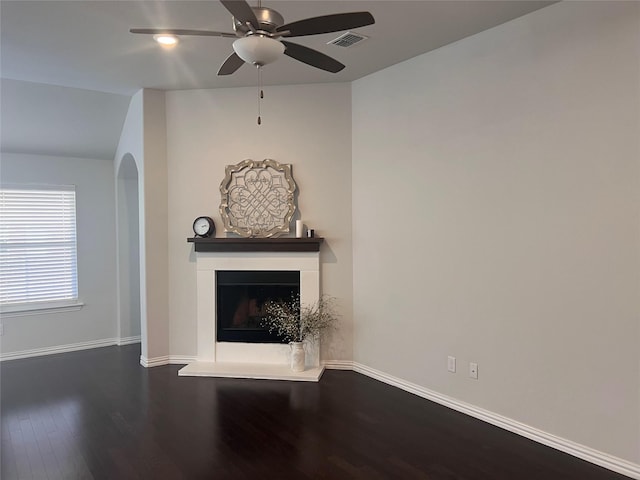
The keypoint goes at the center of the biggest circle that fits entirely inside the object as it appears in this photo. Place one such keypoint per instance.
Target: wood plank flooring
(97, 414)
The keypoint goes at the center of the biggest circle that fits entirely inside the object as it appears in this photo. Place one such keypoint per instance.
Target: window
(38, 265)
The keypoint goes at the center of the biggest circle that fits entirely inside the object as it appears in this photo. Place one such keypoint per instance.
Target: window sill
(40, 309)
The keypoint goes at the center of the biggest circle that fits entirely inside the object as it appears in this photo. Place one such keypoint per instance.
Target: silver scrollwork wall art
(257, 198)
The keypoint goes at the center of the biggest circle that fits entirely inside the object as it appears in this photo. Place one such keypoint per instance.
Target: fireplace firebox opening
(240, 298)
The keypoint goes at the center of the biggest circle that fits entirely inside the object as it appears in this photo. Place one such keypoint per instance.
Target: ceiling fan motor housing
(268, 19)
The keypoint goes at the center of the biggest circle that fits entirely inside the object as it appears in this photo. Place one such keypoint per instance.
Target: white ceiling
(86, 44)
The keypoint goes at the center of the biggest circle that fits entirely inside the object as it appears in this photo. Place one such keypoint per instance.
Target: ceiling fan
(259, 30)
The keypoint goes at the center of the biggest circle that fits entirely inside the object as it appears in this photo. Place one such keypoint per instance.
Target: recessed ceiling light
(166, 40)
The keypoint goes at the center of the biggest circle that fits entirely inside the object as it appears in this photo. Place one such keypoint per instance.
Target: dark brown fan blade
(241, 11)
(231, 64)
(180, 31)
(327, 24)
(312, 57)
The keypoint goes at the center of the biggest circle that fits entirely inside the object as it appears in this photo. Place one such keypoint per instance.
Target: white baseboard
(166, 360)
(583, 452)
(72, 347)
(154, 362)
(186, 359)
(181, 359)
(37, 352)
(338, 364)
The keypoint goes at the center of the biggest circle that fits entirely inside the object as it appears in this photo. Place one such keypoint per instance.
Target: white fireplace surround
(250, 360)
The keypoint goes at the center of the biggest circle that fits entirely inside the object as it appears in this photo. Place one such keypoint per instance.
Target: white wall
(307, 126)
(95, 217)
(143, 138)
(155, 225)
(496, 201)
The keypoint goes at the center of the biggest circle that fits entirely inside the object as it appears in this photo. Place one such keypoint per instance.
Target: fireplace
(244, 358)
(241, 299)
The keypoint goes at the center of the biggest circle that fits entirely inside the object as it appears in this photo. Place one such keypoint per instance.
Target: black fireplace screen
(240, 297)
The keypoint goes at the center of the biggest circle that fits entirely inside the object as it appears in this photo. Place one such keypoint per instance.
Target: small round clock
(203, 227)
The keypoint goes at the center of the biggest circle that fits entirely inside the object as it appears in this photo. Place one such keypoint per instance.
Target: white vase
(297, 356)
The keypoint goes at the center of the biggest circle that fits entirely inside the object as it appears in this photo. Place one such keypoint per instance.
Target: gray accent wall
(496, 196)
(308, 126)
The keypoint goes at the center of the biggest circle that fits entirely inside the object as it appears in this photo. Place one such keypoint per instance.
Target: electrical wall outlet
(473, 370)
(451, 364)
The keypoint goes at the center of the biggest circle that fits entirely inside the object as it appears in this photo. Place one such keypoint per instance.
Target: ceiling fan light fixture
(166, 39)
(258, 50)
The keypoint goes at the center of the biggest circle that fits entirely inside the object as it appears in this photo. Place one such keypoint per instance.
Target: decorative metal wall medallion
(257, 198)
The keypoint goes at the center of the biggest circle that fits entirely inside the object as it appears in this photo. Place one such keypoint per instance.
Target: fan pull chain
(260, 94)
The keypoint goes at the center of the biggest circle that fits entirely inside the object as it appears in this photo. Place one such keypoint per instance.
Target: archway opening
(128, 208)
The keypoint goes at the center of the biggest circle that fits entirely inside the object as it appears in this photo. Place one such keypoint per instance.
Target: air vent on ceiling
(347, 39)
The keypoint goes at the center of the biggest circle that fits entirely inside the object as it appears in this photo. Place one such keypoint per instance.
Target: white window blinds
(37, 245)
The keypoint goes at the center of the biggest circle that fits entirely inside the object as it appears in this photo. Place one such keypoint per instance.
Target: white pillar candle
(299, 228)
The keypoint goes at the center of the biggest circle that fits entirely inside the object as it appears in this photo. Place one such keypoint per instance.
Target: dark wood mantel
(281, 244)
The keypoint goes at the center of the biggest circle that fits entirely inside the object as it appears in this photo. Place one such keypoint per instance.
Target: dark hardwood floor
(97, 414)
